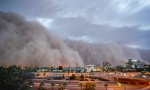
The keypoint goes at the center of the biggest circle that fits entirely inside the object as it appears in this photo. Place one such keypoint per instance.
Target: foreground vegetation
(15, 78)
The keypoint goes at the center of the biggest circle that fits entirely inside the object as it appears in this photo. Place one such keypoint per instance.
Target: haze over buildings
(93, 30)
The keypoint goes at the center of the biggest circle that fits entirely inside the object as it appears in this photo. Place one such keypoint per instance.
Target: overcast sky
(125, 22)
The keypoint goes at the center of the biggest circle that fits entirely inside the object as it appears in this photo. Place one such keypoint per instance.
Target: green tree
(11, 78)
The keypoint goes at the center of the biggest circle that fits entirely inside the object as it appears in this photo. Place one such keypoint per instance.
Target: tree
(106, 85)
(11, 78)
(41, 86)
(60, 86)
(73, 77)
(89, 86)
(64, 84)
(52, 84)
(60, 67)
(81, 85)
(44, 73)
(93, 85)
(63, 76)
(30, 84)
(82, 77)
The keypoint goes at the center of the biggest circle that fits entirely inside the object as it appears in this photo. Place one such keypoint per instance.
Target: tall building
(134, 63)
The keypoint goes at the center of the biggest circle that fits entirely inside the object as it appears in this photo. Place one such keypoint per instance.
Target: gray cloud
(30, 8)
(79, 28)
(122, 21)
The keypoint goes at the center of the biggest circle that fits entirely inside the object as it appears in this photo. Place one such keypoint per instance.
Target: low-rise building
(90, 68)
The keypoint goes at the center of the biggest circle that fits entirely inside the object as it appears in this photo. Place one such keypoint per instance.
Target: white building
(90, 68)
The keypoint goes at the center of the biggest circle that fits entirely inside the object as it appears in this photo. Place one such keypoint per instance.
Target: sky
(126, 22)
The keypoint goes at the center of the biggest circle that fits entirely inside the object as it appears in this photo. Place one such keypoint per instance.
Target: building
(147, 68)
(106, 64)
(90, 68)
(134, 63)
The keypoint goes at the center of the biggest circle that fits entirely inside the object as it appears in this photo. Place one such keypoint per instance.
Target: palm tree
(106, 85)
(88, 86)
(52, 84)
(64, 84)
(82, 77)
(60, 86)
(30, 84)
(93, 85)
(41, 86)
(81, 85)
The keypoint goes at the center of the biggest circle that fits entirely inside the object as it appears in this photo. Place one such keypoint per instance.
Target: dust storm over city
(30, 44)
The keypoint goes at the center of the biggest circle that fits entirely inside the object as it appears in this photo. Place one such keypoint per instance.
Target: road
(74, 85)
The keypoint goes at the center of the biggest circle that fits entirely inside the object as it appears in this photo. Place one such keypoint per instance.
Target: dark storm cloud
(122, 21)
(102, 33)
